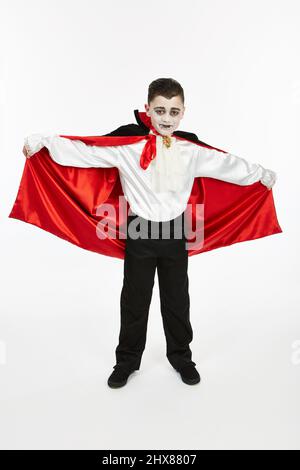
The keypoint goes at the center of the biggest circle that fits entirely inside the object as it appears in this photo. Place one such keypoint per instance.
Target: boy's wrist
(33, 143)
(269, 178)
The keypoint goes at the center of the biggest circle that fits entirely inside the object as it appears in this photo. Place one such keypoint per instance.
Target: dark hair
(166, 87)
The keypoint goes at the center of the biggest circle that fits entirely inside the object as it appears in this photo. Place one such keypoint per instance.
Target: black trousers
(142, 257)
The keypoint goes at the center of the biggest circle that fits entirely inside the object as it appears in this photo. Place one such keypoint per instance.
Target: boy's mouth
(164, 126)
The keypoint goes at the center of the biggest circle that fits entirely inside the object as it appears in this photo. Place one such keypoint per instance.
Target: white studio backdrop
(81, 68)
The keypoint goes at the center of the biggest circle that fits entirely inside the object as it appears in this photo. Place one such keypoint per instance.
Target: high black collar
(138, 116)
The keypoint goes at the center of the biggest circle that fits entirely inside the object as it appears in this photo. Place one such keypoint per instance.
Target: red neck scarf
(149, 150)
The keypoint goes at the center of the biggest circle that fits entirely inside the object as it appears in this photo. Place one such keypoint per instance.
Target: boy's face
(164, 111)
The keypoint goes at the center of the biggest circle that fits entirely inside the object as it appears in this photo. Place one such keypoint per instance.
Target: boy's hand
(269, 179)
(25, 151)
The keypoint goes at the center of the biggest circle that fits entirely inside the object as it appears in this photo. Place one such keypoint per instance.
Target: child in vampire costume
(159, 176)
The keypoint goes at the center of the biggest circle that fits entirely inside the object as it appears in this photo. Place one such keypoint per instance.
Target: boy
(156, 179)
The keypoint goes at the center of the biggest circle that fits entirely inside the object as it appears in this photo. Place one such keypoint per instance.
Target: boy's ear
(147, 108)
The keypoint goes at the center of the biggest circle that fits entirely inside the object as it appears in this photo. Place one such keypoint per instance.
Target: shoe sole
(116, 384)
(191, 382)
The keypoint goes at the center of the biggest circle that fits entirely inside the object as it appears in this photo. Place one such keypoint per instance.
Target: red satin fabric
(63, 200)
(149, 151)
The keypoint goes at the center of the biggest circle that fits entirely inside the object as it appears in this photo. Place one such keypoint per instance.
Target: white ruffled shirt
(160, 192)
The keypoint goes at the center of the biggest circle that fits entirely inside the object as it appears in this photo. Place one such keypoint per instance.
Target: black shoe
(118, 377)
(189, 374)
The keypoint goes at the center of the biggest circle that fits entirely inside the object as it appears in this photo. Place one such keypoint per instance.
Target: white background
(81, 68)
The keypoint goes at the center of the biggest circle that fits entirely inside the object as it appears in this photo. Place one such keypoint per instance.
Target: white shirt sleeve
(76, 153)
(227, 167)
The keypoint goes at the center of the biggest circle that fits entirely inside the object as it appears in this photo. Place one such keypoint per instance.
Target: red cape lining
(63, 200)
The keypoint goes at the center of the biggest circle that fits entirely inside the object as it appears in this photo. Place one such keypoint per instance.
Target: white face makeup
(165, 113)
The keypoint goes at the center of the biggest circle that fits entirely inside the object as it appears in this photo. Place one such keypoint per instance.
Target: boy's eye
(174, 113)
